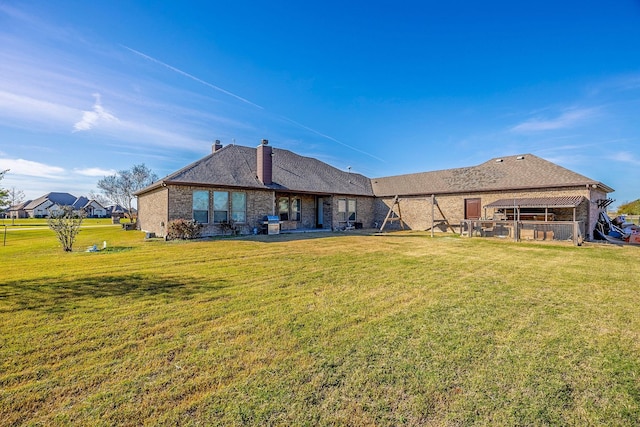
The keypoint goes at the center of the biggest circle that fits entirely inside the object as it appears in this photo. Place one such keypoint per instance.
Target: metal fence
(525, 230)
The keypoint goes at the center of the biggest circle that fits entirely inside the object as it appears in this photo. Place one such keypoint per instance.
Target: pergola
(545, 203)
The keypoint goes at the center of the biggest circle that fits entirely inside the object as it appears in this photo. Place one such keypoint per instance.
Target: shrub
(183, 229)
(66, 224)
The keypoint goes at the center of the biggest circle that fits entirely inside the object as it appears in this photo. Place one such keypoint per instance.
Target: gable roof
(503, 173)
(61, 199)
(19, 206)
(235, 166)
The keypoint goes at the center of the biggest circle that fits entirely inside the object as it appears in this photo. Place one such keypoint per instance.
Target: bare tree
(15, 197)
(120, 188)
(100, 198)
(66, 224)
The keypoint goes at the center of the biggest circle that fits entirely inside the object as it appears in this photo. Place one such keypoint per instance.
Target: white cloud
(568, 119)
(92, 118)
(95, 172)
(31, 168)
(23, 107)
(625, 157)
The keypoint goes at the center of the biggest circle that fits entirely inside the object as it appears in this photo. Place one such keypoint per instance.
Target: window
(201, 206)
(289, 208)
(295, 209)
(347, 209)
(238, 207)
(225, 208)
(283, 208)
(351, 209)
(220, 206)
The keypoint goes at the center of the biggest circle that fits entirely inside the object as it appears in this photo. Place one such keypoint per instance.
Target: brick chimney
(264, 169)
(216, 146)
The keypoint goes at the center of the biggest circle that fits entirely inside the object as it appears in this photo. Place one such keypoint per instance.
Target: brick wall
(153, 208)
(259, 203)
(416, 211)
(364, 211)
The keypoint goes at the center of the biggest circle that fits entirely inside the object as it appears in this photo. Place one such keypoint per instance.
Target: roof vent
(520, 158)
(499, 160)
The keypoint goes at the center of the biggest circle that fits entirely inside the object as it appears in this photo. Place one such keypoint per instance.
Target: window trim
(346, 213)
(291, 201)
(193, 207)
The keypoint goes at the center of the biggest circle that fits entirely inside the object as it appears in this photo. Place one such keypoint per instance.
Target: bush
(183, 229)
(66, 224)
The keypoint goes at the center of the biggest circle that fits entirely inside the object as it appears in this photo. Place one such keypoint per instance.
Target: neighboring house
(18, 211)
(53, 203)
(91, 208)
(244, 184)
(117, 211)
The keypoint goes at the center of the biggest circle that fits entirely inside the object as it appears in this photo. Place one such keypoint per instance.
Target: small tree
(4, 194)
(66, 224)
(120, 188)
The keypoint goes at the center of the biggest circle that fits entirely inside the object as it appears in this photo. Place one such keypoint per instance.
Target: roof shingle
(505, 173)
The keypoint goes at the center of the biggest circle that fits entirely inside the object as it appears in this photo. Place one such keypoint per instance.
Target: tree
(4, 194)
(66, 224)
(15, 197)
(630, 208)
(100, 198)
(120, 188)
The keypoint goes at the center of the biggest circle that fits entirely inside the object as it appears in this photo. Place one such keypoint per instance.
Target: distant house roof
(504, 173)
(538, 202)
(117, 209)
(80, 202)
(19, 206)
(61, 199)
(235, 166)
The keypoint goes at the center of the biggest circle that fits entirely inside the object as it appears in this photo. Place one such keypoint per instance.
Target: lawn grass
(318, 329)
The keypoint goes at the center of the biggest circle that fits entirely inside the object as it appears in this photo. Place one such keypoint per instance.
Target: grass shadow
(55, 295)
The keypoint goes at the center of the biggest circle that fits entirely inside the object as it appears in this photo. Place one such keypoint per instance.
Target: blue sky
(386, 88)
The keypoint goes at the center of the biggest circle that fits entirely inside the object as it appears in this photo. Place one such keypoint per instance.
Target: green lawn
(317, 329)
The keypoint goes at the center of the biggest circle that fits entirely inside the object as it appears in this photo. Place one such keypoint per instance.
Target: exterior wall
(259, 203)
(17, 214)
(41, 211)
(97, 210)
(157, 208)
(364, 211)
(153, 208)
(308, 211)
(416, 211)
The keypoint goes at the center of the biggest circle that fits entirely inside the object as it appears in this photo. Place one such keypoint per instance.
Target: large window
(226, 208)
(201, 206)
(347, 209)
(289, 208)
(220, 206)
(239, 207)
(283, 208)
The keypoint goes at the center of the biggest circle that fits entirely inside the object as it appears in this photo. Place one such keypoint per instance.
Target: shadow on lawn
(55, 295)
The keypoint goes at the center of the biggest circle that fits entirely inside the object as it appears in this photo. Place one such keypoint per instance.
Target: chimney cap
(265, 142)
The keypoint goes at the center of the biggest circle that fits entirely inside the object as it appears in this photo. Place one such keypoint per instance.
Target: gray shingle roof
(505, 173)
(235, 166)
(61, 199)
